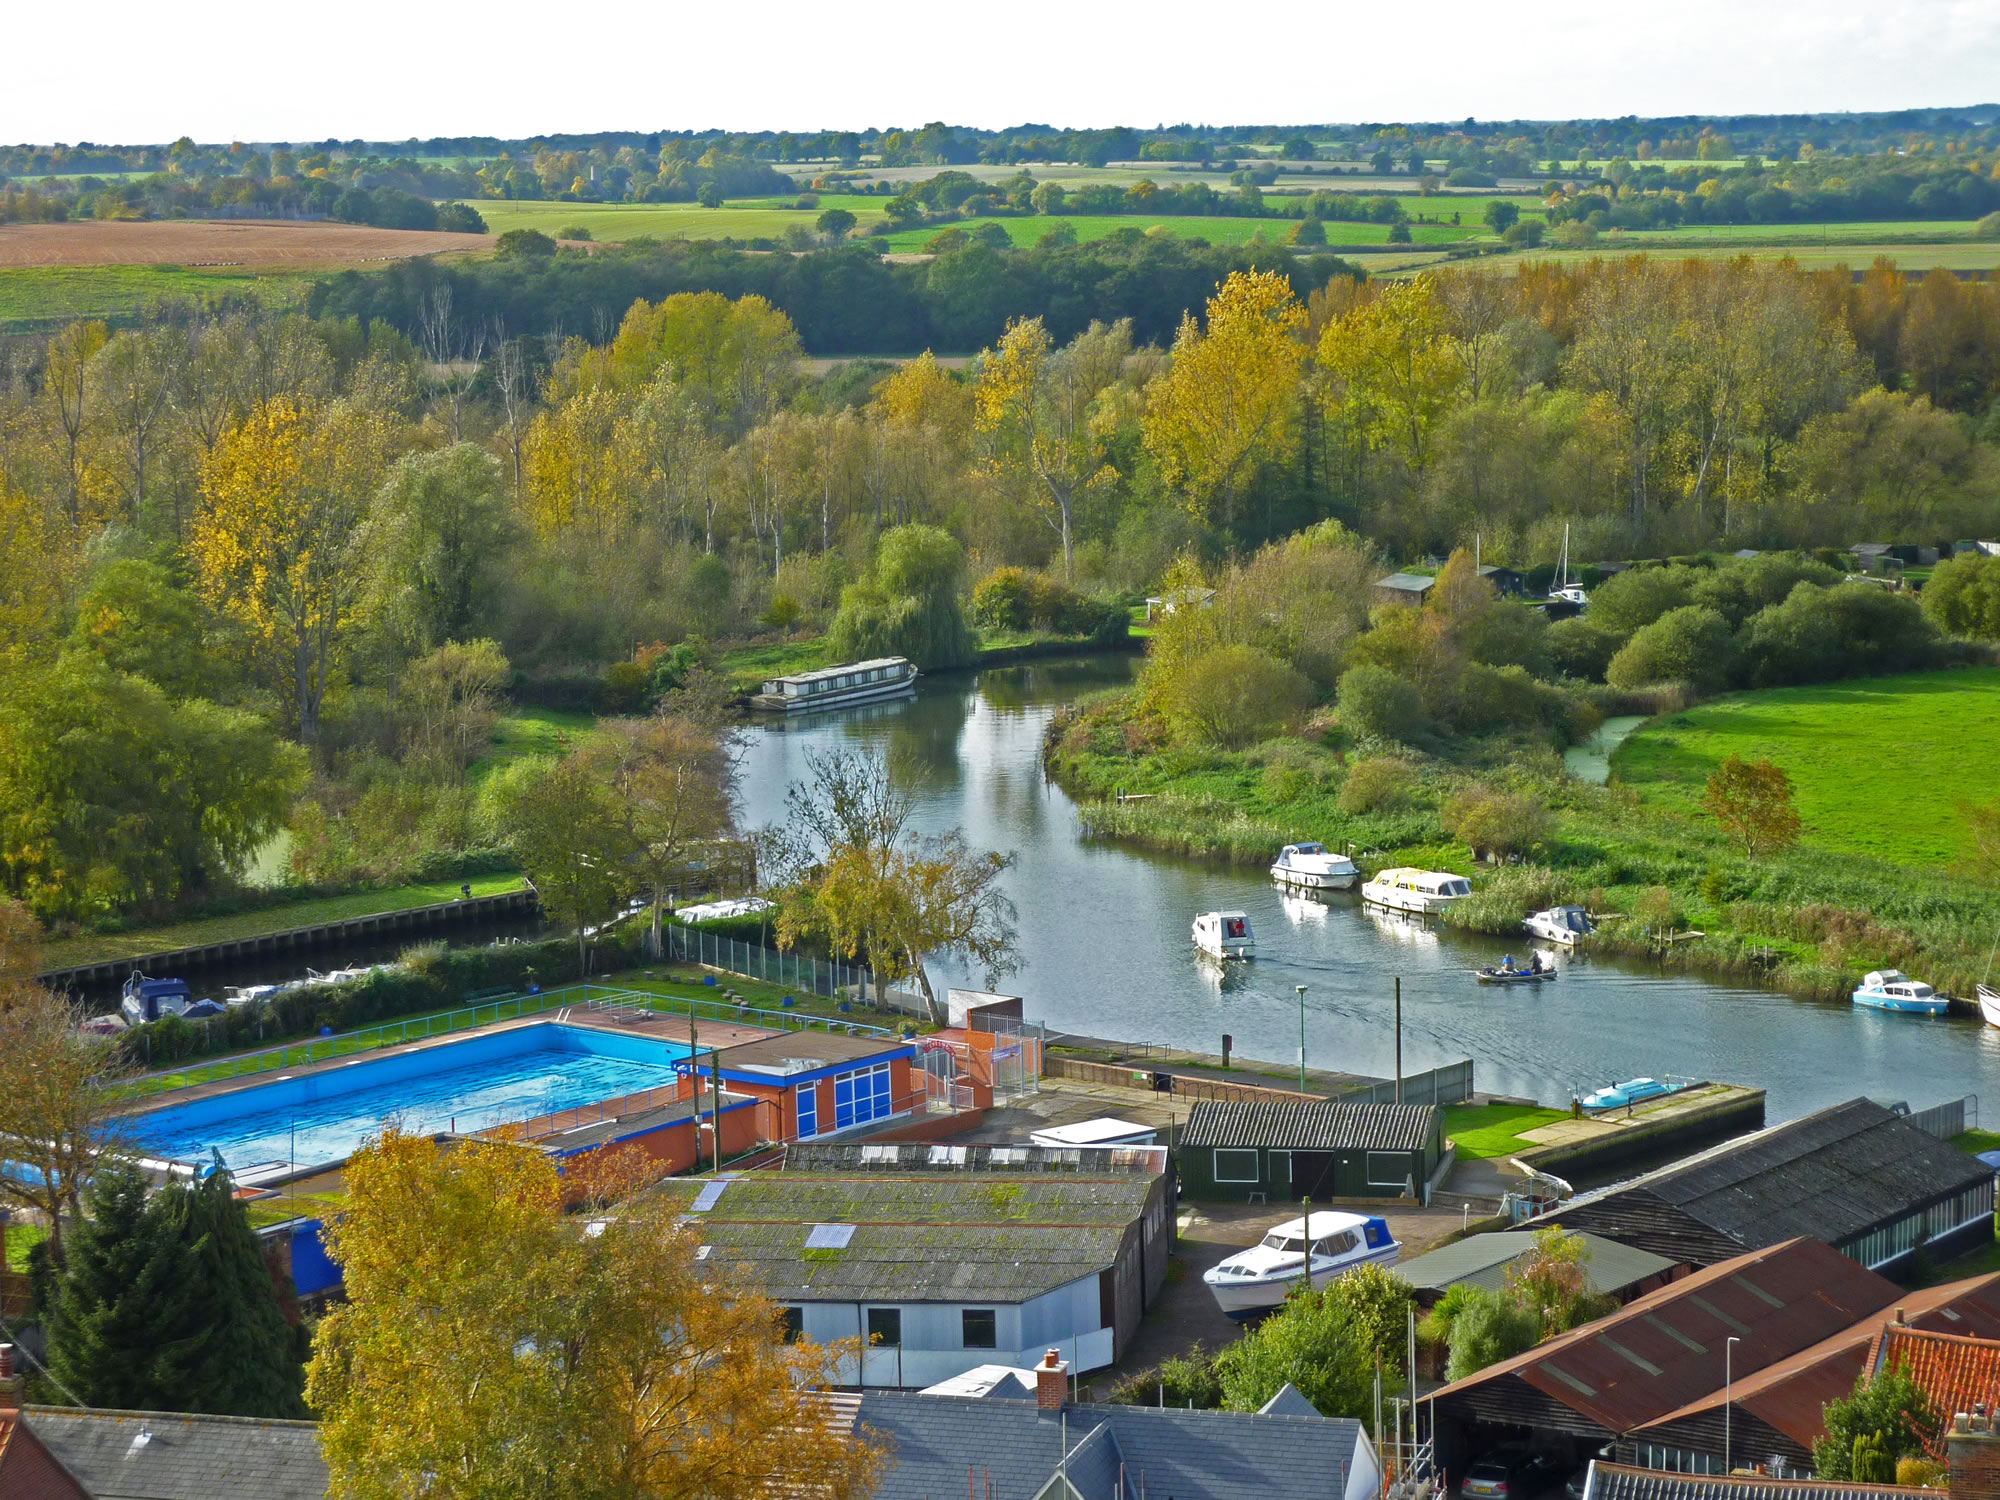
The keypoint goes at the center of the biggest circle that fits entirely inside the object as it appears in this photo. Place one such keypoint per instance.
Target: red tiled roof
(1658, 1353)
(1955, 1370)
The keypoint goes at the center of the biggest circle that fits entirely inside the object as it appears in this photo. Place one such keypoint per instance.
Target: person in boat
(1507, 964)
(1535, 965)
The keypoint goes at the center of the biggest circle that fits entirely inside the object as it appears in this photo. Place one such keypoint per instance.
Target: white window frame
(1402, 1177)
(1256, 1175)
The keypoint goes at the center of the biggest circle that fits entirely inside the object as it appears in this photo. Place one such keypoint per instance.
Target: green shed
(1286, 1151)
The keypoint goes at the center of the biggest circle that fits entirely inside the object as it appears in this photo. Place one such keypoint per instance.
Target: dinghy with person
(1508, 972)
(1258, 1279)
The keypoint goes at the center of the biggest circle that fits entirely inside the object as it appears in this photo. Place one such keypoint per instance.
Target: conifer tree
(123, 1324)
(246, 1365)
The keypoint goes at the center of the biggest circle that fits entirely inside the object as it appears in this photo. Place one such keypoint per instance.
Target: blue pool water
(497, 1079)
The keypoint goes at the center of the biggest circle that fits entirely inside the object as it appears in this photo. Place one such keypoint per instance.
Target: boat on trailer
(872, 681)
(1314, 867)
(1893, 990)
(145, 999)
(1225, 934)
(1258, 1279)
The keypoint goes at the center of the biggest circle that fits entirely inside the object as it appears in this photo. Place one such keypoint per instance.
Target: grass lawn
(1878, 766)
(743, 219)
(34, 298)
(746, 667)
(1488, 1130)
(1972, 1142)
(282, 917)
(530, 731)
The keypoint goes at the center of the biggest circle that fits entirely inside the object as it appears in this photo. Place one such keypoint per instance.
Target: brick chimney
(1052, 1383)
(1973, 1449)
(10, 1383)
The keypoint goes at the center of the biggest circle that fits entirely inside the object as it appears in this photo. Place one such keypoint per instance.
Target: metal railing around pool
(592, 998)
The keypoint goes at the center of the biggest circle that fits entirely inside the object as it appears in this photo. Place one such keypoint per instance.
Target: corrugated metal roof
(1290, 1126)
(794, 1198)
(1616, 1482)
(1830, 1175)
(1666, 1349)
(1788, 1396)
(1484, 1260)
(963, 1160)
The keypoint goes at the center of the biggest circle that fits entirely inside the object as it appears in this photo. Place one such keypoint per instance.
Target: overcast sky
(389, 69)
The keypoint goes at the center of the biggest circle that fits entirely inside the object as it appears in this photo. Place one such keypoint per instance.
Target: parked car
(1510, 1473)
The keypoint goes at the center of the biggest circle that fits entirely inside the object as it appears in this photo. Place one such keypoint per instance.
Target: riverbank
(746, 668)
(1808, 921)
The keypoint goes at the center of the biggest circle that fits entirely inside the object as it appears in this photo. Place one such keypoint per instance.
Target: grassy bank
(1483, 1131)
(1811, 920)
(282, 916)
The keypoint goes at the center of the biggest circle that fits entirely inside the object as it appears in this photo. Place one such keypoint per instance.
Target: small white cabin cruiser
(1989, 1004)
(1405, 889)
(1892, 989)
(1313, 867)
(1224, 934)
(1562, 925)
(1258, 1279)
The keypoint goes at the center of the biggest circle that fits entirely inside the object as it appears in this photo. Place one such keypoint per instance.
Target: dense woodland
(278, 570)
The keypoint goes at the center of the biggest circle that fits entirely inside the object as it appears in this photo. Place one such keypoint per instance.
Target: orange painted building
(813, 1082)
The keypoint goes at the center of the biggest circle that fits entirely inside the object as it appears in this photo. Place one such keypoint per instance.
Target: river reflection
(1105, 946)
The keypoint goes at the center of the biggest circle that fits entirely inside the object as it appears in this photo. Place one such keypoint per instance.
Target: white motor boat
(1989, 1004)
(1258, 1279)
(1561, 925)
(1312, 867)
(142, 999)
(1224, 934)
(1892, 989)
(1403, 888)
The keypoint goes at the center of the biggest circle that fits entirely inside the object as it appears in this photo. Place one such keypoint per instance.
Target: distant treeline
(842, 301)
(166, 197)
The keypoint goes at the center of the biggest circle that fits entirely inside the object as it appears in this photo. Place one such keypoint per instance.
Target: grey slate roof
(1289, 1402)
(1189, 1455)
(1617, 1482)
(1830, 1176)
(1483, 1260)
(181, 1456)
(1311, 1127)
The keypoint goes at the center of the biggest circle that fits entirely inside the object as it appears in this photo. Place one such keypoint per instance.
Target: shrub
(1499, 823)
(1381, 783)
(573, 232)
(1580, 648)
(1963, 596)
(1234, 696)
(1692, 644)
(523, 244)
(1988, 228)
(626, 684)
(1637, 597)
(1000, 600)
(460, 218)
(1818, 635)
(1376, 703)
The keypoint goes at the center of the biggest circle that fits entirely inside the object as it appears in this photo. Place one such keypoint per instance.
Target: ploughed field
(248, 243)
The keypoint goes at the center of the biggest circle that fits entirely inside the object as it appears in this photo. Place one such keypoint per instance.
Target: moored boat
(1224, 934)
(143, 999)
(1893, 990)
(1632, 1091)
(1313, 867)
(1402, 888)
(1989, 1004)
(1561, 924)
(838, 687)
(1258, 1279)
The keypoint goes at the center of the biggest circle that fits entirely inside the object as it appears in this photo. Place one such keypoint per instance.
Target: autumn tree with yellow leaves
(494, 1348)
(1229, 400)
(276, 542)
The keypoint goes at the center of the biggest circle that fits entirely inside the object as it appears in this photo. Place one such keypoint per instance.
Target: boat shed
(944, 1258)
(1856, 1175)
(1288, 1150)
(1404, 588)
(1484, 1260)
(1507, 582)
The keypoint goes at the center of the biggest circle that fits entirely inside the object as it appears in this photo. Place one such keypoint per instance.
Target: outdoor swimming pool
(497, 1079)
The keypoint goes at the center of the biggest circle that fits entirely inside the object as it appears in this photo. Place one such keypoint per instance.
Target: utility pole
(1302, 1036)
(1399, 1039)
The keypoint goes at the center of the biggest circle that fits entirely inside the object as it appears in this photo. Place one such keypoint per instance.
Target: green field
(744, 219)
(283, 917)
(38, 297)
(1878, 766)
(530, 731)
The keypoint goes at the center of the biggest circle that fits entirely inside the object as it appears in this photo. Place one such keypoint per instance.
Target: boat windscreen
(1278, 1241)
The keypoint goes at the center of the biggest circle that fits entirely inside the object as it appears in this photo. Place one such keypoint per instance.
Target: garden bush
(1376, 703)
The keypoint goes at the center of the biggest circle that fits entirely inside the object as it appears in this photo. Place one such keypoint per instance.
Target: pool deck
(704, 1034)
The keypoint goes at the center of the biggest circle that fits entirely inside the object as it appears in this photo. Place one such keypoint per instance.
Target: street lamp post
(1302, 1036)
(1728, 1393)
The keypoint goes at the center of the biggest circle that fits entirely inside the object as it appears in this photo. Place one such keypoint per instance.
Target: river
(1105, 950)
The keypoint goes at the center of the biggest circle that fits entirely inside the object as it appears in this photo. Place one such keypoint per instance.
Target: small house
(1410, 589)
(1286, 1151)
(1507, 582)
